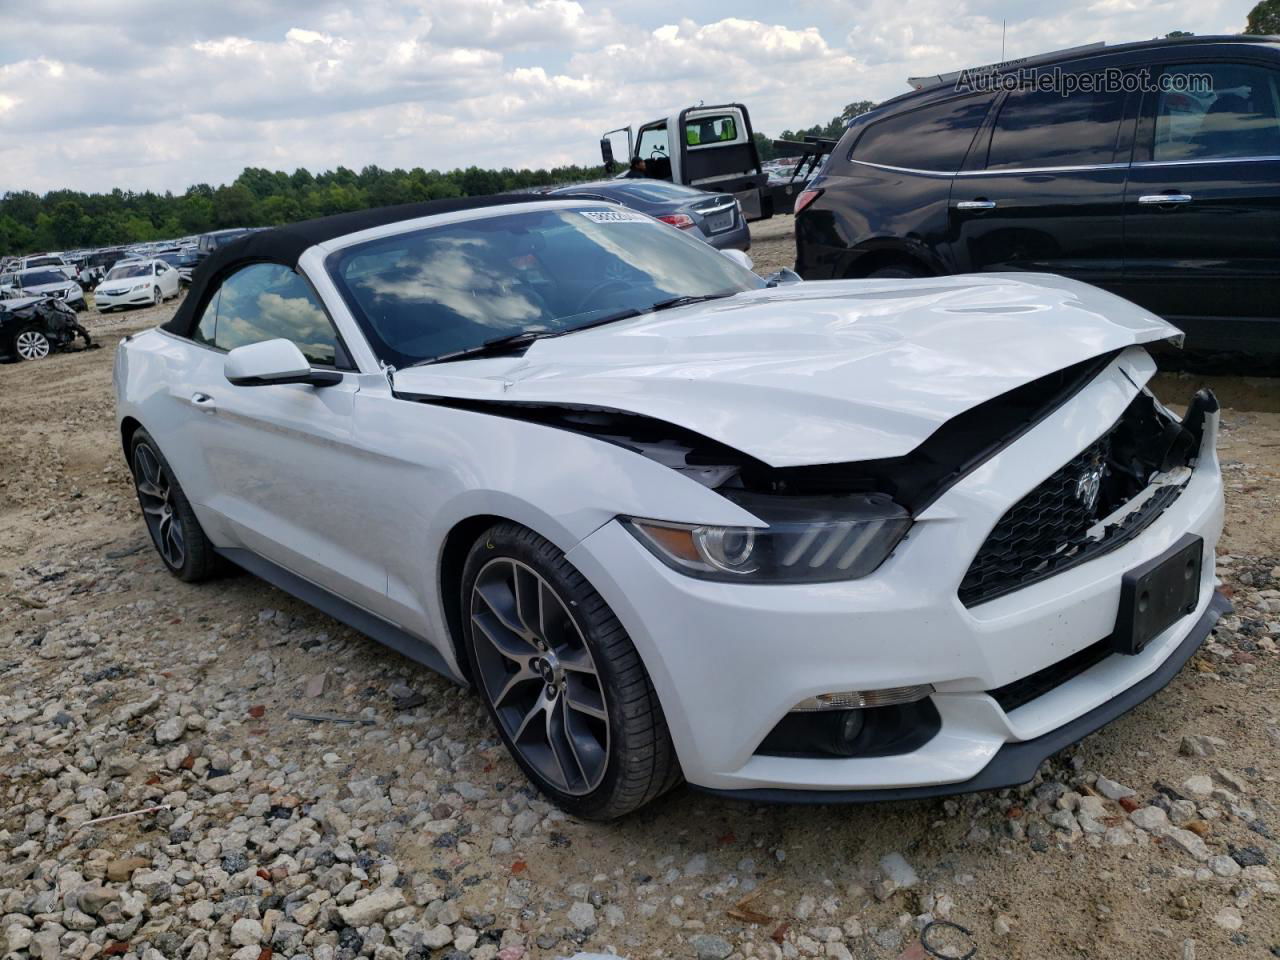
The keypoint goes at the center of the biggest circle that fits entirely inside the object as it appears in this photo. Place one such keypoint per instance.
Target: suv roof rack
(927, 82)
(920, 83)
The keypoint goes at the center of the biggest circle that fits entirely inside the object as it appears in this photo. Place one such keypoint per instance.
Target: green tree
(1264, 19)
(70, 226)
(233, 206)
(856, 109)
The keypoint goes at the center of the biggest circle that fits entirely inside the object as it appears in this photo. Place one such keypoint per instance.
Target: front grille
(1046, 532)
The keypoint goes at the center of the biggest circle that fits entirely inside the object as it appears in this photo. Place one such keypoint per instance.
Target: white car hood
(819, 372)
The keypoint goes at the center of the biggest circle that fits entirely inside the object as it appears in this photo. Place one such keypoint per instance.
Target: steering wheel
(597, 290)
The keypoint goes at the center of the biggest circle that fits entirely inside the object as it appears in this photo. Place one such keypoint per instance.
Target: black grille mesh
(1046, 531)
(1039, 535)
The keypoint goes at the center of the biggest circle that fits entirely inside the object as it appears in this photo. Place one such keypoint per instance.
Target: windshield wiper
(682, 301)
(494, 346)
(516, 341)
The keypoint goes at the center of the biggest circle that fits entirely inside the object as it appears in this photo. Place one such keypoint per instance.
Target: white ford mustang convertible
(819, 542)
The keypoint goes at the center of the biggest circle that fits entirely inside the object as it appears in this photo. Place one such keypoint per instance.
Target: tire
(175, 532)
(624, 757)
(157, 297)
(896, 272)
(31, 343)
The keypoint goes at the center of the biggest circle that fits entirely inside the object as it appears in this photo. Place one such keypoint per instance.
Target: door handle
(1165, 198)
(203, 402)
(976, 205)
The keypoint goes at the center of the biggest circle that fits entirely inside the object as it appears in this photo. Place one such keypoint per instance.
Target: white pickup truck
(708, 147)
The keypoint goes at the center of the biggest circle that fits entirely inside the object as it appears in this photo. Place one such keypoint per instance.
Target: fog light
(832, 733)
(863, 699)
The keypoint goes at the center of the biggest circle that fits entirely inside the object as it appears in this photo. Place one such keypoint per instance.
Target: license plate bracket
(1157, 594)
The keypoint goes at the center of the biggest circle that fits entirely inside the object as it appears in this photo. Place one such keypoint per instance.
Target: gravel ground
(409, 834)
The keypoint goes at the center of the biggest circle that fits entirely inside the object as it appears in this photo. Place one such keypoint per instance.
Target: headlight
(141, 286)
(807, 540)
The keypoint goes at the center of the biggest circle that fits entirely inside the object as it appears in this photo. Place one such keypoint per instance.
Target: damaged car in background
(33, 327)
(820, 541)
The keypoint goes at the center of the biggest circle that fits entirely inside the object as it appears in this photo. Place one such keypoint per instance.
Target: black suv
(1157, 177)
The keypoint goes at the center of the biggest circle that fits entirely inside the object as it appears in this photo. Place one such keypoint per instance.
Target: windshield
(126, 270)
(38, 278)
(435, 291)
(44, 262)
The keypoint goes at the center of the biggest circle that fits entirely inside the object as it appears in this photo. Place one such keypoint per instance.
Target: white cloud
(145, 95)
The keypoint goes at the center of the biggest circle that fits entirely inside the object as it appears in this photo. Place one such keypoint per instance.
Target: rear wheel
(175, 531)
(31, 344)
(156, 297)
(561, 679)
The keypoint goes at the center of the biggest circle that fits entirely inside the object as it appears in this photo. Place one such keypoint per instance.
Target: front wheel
(561, 679)
(156, 297)
(31, 344)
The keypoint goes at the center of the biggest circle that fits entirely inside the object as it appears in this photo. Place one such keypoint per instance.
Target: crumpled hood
(818, 372)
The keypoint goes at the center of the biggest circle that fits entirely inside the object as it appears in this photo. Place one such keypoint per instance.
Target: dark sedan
(715, 217)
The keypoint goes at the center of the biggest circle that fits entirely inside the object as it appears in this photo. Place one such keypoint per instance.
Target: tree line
(69, 219)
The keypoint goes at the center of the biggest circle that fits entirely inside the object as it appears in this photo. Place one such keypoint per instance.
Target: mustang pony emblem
(1089, 485)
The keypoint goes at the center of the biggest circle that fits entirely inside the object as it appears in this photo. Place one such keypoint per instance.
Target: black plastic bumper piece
(1014, 763)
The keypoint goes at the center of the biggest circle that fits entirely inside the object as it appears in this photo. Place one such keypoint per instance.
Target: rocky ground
(218, 770)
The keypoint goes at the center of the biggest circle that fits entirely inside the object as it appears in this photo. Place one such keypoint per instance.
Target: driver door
(654, 148)
(281, 467)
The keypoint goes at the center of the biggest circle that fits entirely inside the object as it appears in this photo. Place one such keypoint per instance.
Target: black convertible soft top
(286, 244)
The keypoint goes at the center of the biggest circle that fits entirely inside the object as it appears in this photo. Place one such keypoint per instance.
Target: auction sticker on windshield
(614, 216)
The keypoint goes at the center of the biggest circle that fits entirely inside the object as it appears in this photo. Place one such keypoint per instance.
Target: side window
(208, 320)
(1217, 111)
(1044, 128)
(267, 301)
(706, 130)
(935, 138)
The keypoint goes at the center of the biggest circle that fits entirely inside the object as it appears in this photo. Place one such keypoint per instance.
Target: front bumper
(132, 298)
(1014, 763)
(729, 661)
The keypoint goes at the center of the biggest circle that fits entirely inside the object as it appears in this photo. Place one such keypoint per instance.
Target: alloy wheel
(32, 345)
(155, 493)
(155, 297)
(538, 674)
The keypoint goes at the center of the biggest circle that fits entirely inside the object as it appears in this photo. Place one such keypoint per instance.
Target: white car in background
(137, 283)
(43, 282)
(823, 541)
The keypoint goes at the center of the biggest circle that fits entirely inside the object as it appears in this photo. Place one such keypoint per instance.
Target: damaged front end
(840, 521)
(1101, 499)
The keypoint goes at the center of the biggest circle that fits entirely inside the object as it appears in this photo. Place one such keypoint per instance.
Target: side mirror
(738, 257)
(606, 154)
(783, 276)
(271, 362)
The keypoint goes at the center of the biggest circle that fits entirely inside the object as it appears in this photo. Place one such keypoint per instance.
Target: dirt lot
(412, 835)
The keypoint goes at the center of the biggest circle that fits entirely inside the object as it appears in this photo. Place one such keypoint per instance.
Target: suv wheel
(561, 679)
(175, 531)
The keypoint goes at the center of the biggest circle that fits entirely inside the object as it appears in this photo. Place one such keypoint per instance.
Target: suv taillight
(806, 197)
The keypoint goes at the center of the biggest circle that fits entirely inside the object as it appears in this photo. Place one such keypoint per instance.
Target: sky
(157, 95)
